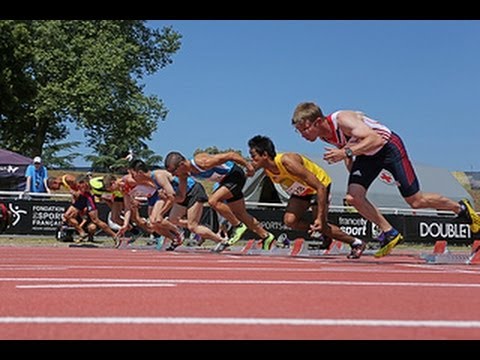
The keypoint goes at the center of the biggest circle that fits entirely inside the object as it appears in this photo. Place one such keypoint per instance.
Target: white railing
(383, 210)
(22, 195)
(33, 195)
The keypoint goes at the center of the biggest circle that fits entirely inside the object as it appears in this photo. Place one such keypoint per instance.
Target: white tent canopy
(383, 192)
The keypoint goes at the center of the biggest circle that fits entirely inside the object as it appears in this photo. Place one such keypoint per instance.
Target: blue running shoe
(390, 239)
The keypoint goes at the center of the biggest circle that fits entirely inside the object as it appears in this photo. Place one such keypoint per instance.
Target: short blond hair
(307, 111)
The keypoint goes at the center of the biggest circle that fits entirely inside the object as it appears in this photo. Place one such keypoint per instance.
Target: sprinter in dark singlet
(85, 203)
(190, 198)
(228, 198)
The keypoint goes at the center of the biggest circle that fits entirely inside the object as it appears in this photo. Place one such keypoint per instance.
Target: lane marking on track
(33, 267)
(90, 286)
(463, 269)
(235, 267)
(464, 324)
(240, 282)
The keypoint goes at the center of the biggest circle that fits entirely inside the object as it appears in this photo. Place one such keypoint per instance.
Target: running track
(76, 293)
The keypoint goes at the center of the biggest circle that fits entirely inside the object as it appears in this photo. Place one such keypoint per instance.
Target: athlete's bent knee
(290, 220)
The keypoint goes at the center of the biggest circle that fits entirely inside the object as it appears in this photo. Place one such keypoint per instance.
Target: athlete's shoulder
(288, 156)
(289, 159)
(162, 173)
(344, 113)
(199, 157)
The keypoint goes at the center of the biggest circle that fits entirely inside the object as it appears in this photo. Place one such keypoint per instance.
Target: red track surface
(74, 293)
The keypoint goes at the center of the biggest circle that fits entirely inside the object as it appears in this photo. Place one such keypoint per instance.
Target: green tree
(54, 160)
(56, 74)
(107, 163)
(212, 150)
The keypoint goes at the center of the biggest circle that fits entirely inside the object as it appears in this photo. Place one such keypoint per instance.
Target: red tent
(12, 170)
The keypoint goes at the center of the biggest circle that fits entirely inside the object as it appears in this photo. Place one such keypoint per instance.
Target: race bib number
(296, 189)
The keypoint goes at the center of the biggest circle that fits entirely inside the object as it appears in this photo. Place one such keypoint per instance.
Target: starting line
(296, 248)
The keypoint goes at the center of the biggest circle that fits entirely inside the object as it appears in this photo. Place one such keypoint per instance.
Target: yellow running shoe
(389, 245)
(237, 233)
(472, 215)
(267, 242)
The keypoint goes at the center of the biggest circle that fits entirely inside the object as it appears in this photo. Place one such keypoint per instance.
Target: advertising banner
(426, 229)
(40, 217)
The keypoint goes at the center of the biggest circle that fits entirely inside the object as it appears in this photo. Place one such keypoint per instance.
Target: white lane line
(465, 324)
(319, 269)
(89, 286)
(244, 282)
(449, 268)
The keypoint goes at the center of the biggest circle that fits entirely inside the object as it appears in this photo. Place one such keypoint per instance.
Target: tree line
(59, 74)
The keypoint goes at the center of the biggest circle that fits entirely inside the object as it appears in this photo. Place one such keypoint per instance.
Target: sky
(233, 79)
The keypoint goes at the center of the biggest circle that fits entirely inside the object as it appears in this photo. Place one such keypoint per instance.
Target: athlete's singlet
(176, 183)
(339, 139)
(134, 189)
(214, 174)
(294, 185)
(97, 187)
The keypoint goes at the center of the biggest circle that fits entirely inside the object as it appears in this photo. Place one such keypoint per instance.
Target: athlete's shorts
(195, 194)
(153, 199)
(85, 201)
(392, 157)
(311, 199)
(234, 182)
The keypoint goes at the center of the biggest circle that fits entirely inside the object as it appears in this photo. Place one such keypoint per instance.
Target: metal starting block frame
(129, 244)
(299, 247)
(441, 255)
(295, 248)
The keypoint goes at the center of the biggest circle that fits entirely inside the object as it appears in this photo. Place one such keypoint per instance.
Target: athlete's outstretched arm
(352, 124)
(164, 179)
(207, 161)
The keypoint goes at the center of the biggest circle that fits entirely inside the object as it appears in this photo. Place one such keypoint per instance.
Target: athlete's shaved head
(173, 159)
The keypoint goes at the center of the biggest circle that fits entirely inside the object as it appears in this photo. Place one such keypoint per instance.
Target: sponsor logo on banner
(9, 169)
(274, 225)
(46, 217)
(444, 230)
(353, 226)
(376, 231)
(17, 213)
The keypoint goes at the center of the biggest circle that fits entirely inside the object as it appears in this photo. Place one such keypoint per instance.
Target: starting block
(122, 243)
(254, 247)
(126, 242)
(300, 248)
(441, 255)
(189, 249)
